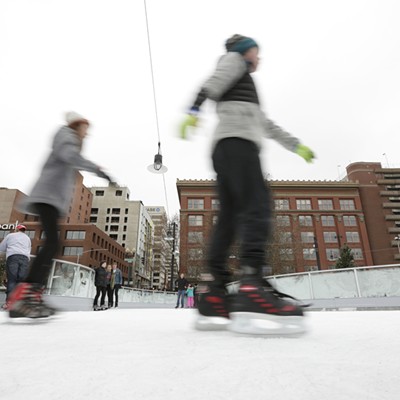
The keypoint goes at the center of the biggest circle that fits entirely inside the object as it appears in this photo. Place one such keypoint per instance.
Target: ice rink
(156, 354)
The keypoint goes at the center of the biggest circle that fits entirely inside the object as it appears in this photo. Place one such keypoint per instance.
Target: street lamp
(397, 238)
(173, 253)
(315, 245)
(87, 251)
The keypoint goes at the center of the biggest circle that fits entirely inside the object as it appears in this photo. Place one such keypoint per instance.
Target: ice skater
(50, 199)
(245, 202)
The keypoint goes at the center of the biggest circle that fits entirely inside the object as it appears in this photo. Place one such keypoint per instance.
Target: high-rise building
(127, 222)
(380, 195)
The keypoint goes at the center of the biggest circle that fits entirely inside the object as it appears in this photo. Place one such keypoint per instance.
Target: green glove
(189, 121)
(305, 152)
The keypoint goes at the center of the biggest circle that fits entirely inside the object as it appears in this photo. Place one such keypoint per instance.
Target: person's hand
(305, 152)
(103, 175)
(190, 121)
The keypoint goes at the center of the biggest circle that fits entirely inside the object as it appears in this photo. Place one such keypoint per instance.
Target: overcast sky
(329, 75)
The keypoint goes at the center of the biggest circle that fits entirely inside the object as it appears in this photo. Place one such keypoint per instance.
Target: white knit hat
(72, 116)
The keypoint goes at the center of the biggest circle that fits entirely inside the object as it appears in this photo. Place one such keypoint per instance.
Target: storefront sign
(9, 226)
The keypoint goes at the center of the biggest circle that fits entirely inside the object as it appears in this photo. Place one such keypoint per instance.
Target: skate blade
(204, 323)
(267, 325)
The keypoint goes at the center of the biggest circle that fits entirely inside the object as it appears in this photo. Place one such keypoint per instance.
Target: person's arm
(275, 132)
(67, 149)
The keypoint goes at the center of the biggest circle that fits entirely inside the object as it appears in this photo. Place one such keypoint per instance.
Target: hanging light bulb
(157, 167)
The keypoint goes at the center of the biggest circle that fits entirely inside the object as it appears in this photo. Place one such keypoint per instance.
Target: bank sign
(9, 226)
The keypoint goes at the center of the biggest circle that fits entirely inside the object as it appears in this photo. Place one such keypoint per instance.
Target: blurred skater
(116, 282)
(50, 199)
(245, 209)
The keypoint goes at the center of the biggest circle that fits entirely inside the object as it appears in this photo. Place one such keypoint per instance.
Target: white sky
(155, 354)
(329, 75)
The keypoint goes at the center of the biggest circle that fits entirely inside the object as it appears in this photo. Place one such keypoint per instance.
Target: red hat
(21, 227)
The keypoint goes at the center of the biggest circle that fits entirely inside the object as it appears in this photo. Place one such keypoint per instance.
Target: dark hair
(75, 125)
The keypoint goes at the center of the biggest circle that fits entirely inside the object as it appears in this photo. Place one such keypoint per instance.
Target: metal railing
(76, 280)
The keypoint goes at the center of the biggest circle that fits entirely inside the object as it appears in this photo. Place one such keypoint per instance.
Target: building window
(125, 220)
(75, 235)
(214, 204)
(30, 234)
(286, 254)
(195, 254)
(126, 210)
(93, 220)
(332, 254)
(214, 219)
(307, 237)
(118, 193)
(352, 237)
(114, 228)
(327, 220)
(285, 237)
(195, 220)
(330, 237)
(115, 220)
(196, 204)
(325, 204)
(309, 254)
(94, 211)
(281, 204)
(349, 220)
(116, 211)
(114, 237)
(99, 193)
(195, 237)
(347, 205)
(305, 220)
(3, 234)
(303, 204)
(72, 251)
(357, 254)
(283, 220)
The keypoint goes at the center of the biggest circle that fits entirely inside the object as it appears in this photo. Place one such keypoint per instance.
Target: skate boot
(259, 309)
(213, 305)
(26, 302)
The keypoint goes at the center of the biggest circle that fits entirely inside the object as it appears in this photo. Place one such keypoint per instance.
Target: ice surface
(155, 354)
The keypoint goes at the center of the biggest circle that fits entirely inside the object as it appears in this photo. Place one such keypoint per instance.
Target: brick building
(314, 219)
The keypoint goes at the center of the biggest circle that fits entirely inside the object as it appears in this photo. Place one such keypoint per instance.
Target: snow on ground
(155, 354)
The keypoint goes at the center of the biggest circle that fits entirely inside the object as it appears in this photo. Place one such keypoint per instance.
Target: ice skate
(259, 309)
(212, 309)
(26, 302)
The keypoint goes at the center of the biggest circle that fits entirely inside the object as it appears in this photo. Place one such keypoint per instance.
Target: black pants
(245, 207)
(100, 290)
(109, 296)
(115, 291)
(40, 268)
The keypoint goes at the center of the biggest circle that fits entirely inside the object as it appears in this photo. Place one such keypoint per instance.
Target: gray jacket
(243, 119)
(58, 175)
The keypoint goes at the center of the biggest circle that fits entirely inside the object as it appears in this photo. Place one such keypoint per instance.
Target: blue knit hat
(240, 44)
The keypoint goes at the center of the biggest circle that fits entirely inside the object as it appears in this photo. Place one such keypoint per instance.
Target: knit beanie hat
(240, 44)
(71, 117)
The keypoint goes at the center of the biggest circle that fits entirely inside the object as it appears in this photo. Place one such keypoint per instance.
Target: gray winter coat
(242, 119)
(58, 175)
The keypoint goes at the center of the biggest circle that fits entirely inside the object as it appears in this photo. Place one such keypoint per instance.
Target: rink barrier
(71, 286)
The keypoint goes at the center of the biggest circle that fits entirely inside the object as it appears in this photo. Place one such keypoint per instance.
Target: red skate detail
(248, 288)
(18, 293)
(214, 299)
(288, 308)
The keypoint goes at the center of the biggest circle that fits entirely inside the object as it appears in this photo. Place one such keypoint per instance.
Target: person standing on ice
(100, 281)
(245, 203)
(50, 199)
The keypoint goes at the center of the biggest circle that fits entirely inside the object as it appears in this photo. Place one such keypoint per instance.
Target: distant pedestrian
(17, 247)
(100, 281)
(50, 199)
(109, 290)
(182, 284)
(116, 282)
(190, 296)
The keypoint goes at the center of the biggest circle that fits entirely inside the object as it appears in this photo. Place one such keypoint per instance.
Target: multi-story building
(314, 220)
(79, 242)
(161, 247)
(127, 222)
(380, 195)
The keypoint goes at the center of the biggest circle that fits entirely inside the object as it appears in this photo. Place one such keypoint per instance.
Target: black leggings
(100, 290)
(40, 269)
